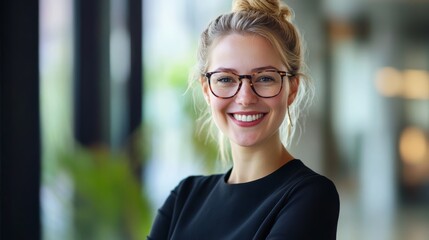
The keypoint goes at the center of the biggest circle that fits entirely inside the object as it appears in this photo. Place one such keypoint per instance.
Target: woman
(250, 69)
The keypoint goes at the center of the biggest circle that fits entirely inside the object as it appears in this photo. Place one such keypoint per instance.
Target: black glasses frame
(250, 77)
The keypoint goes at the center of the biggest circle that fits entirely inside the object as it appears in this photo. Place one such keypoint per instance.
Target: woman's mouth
(247, 118)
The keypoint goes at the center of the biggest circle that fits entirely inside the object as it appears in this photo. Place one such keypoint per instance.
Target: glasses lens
(224, 84)
(267, 83)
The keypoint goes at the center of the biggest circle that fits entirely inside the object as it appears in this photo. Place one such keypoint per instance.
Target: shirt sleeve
(161, 225)
(310, 212)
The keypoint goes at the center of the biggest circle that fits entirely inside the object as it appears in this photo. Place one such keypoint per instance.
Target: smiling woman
(250, 68)
(255, 52)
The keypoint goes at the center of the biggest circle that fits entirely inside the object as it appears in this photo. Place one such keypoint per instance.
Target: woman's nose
(246, 96)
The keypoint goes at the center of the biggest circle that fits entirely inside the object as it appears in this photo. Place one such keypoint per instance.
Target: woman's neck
(252, 163)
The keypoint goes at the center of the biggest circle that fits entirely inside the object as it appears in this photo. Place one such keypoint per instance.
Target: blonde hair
(273, 21)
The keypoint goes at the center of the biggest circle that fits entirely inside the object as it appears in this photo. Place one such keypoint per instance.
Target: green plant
(108, 199)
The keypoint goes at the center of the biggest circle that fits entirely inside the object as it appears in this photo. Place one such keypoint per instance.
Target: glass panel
(56, 74)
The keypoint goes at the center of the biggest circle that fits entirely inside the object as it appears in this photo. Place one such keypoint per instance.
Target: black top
(291, 203)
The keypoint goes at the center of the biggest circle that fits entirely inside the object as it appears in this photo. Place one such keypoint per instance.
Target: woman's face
(246, 54)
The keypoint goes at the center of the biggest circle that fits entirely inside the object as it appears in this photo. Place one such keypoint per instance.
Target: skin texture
(256, 147)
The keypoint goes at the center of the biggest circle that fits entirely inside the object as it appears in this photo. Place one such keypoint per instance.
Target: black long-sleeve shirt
(291, 203)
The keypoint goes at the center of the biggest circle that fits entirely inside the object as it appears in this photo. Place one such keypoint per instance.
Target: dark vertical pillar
(135, 83)
(20, 128)
(135, 86)
(87, 72)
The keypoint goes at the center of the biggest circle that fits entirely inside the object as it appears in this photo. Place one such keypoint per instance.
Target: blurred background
(97, 125)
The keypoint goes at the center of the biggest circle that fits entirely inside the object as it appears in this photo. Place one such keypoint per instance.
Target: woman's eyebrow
(263, 68)
(258, 69)
(224, 69)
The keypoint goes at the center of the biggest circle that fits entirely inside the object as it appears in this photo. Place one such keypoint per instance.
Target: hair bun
(272, 7)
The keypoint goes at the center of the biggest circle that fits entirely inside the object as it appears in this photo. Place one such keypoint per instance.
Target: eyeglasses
(265, 84)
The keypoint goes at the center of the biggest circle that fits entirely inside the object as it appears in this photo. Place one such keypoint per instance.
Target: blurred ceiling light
(413, 146)
(416, 84)
(410, 84)
(389, 82)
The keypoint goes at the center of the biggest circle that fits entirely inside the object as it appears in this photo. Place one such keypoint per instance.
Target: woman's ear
(206, 89)
(293, 89)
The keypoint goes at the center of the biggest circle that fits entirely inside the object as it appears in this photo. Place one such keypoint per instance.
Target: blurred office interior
(102, 93)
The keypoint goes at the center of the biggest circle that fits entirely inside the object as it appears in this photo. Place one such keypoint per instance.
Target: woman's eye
(225, 80)
(266, 79)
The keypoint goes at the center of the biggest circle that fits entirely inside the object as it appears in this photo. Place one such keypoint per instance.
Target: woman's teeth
(247, 118)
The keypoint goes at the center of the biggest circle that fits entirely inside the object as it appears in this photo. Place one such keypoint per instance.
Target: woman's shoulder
(308, 182)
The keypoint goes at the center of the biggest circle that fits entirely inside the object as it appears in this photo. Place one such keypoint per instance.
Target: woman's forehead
(243, 52)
